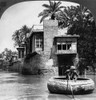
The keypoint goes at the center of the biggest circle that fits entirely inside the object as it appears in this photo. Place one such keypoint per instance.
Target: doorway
(64, 62)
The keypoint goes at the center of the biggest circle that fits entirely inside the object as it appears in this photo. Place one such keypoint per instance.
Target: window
(59, 46)
(63, 46)
(68, 46)
(38, 42)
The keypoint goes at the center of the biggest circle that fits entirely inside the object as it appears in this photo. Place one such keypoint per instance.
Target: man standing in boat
(71, 74)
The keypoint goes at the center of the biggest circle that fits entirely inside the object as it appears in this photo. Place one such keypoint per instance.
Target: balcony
(66, 48)
(66, 52)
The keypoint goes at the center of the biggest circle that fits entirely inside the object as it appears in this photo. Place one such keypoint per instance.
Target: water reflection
(14, 86)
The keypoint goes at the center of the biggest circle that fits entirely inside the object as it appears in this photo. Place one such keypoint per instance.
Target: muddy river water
(14, 86)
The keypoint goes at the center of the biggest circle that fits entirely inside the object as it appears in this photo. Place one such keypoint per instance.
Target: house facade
(53, 43)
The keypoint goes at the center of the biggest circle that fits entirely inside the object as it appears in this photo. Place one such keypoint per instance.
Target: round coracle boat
(60, 84)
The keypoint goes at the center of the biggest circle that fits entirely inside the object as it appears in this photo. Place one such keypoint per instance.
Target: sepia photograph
(47, 49)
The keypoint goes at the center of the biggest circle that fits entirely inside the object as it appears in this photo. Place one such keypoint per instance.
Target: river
(14, 86)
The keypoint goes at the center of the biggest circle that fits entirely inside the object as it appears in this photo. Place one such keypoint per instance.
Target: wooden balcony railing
(66, 52)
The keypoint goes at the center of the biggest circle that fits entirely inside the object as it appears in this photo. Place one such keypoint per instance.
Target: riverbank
(33, 64)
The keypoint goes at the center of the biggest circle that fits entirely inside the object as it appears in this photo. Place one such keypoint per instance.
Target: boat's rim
(82, 78)
(71, 82)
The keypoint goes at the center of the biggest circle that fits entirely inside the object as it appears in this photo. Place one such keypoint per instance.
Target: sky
(18, 15)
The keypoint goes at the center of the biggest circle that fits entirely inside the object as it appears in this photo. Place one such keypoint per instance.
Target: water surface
(14, 86)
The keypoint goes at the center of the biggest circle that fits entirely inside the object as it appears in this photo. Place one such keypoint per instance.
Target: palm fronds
(50, 10)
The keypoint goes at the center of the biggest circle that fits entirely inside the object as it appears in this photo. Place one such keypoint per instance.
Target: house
(51, 42)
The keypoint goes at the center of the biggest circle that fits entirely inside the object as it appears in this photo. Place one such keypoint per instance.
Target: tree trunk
(53, 16)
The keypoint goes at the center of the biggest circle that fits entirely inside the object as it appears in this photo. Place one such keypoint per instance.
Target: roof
(61, 32)
(37, 28)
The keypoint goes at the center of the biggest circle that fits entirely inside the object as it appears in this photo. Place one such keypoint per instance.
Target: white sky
(25, 13)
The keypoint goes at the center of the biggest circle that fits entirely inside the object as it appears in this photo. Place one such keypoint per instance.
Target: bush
(16, 66)
(33, 64)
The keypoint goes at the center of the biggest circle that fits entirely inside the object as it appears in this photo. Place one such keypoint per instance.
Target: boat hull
(62, 85)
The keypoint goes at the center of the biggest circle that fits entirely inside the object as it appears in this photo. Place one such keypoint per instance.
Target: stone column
(50, 30)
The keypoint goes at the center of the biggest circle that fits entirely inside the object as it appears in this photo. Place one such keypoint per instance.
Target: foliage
(33, 64)
(7, 54)
(17, 38)
(20, 36)
(73, 15)
(16, 66)
(51, 10)
(1, 56)
(66, 17)
(81, 22)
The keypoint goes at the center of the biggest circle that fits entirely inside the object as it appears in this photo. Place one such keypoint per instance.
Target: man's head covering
(73, 67)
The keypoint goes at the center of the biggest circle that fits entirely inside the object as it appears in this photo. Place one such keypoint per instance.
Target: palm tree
(79, 16)
(16, 37)
(25, 32)
(51, 10)
(21, 36)
(81, 22)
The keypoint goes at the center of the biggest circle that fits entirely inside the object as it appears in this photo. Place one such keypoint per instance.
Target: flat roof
(37, 28)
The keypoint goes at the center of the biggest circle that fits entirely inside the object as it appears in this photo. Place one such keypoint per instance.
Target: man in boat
(71, 74)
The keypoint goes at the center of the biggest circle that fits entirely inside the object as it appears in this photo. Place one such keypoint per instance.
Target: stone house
(52, 43)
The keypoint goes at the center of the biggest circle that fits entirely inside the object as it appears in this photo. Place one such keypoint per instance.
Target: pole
(70, 88)
(72, 92)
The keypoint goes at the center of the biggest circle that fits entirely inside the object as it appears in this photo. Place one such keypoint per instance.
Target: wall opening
(64, 62)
